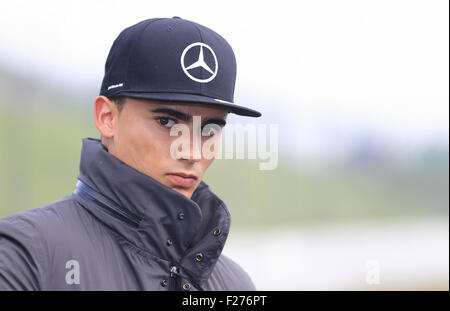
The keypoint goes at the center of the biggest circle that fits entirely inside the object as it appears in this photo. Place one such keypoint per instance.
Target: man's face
(142, 140)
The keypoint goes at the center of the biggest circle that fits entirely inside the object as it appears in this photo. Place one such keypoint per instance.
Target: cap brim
(193, 98)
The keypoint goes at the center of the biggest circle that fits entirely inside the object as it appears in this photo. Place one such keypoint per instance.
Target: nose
(194, 153)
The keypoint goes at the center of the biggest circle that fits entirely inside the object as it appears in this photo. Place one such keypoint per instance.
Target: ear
(105, 116)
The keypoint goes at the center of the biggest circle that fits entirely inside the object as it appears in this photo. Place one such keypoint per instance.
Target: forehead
(184, 107)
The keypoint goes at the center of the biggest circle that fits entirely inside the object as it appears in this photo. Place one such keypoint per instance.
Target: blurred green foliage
(40, 144)
(40, 153)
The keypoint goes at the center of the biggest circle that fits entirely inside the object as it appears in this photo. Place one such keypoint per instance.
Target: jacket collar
(161, 214)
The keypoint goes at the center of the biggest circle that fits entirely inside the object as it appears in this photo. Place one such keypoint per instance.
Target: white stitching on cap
(114, 86)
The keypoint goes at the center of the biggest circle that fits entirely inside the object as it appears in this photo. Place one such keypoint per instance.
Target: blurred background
(359, 89)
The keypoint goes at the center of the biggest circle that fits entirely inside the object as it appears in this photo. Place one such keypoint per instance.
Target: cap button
(177, 17)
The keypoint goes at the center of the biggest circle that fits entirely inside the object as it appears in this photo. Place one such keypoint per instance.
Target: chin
(184, 192)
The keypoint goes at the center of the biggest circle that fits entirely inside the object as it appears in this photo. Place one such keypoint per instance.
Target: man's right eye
(166, 122)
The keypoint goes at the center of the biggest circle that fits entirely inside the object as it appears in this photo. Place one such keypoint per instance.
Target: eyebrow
(186, 117)
(174, 113)
(217, 121)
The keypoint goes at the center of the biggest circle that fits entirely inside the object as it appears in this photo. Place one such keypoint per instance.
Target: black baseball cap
(173, 59)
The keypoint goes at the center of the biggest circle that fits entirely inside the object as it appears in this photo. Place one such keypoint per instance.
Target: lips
(182, 179)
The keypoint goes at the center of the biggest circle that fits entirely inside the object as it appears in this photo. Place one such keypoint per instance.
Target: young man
(140, 218)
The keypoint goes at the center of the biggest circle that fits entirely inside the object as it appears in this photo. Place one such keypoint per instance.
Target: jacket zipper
(173, 278)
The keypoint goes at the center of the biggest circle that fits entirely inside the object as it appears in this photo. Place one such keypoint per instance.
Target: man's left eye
(166, 122)
(211, 129)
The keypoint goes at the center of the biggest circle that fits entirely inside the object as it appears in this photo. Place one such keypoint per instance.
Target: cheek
(139, 140)
(154, 145)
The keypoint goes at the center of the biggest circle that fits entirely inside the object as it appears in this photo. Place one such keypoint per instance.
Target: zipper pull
(173, 284)
(173, 271)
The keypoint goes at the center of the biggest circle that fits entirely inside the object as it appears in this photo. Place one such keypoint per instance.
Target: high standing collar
(160, 213)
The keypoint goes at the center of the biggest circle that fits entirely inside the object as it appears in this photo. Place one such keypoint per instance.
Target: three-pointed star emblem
(200, 62)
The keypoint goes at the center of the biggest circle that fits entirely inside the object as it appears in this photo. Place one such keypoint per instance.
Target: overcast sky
(326, 70)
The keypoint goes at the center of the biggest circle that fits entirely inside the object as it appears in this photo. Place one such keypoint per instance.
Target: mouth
(182, 180)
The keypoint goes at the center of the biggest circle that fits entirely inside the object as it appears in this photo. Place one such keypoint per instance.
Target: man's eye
(166, 122)
(211, 129)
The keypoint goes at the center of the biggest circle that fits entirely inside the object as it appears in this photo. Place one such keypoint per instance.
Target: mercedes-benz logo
(200, 62)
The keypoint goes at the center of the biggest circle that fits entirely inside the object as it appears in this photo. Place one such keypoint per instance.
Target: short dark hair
(119, 101)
